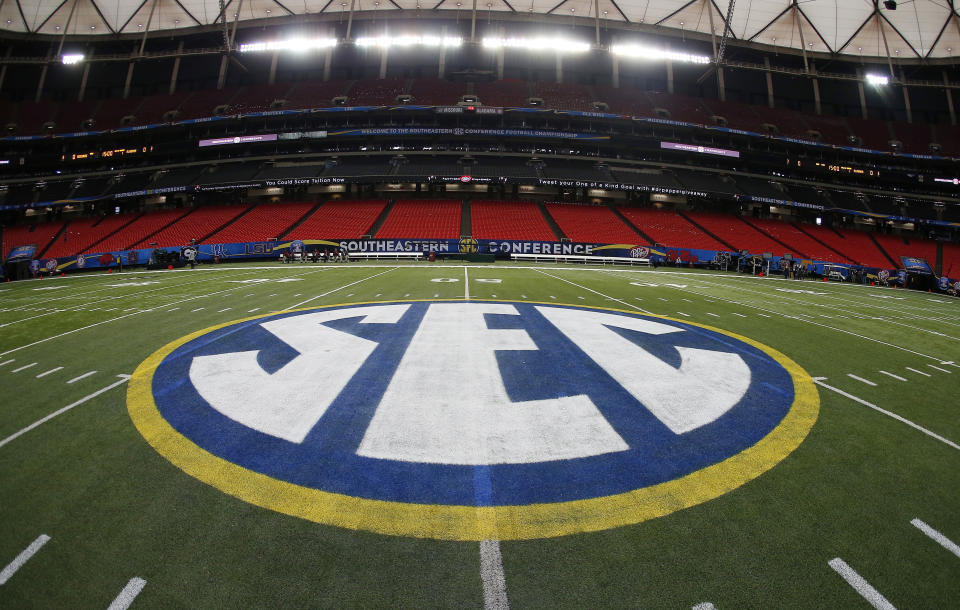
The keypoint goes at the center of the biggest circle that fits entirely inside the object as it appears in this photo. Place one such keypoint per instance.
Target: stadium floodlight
(69, 59)
(296, 45)
(409, 41)
(557, 44)
(878, 79)
(638, 51)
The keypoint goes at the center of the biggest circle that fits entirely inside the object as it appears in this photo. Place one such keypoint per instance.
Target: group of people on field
(337, 255)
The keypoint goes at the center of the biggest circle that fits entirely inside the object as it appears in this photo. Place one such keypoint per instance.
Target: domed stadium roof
(915, 29)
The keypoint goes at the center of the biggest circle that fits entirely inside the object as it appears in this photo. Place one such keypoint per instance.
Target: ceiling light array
(557, 44)
(638, 51)
(296, 45)
(68, 59)
(878, 79)
(409, 41)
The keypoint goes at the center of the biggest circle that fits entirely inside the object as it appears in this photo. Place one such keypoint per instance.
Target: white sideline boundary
(491, 574)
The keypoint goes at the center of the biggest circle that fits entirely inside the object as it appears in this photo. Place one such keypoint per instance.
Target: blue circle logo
(472, 420)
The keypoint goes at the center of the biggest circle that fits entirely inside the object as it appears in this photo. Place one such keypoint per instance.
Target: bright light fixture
(297, 45)
(878, 79)
(409, 41)
(71, 58)
(639, 51)
(560, 45)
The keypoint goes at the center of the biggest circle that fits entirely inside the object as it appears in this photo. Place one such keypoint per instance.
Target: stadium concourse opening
(393, 304)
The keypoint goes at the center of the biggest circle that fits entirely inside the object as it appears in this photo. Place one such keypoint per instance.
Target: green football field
(864, 510)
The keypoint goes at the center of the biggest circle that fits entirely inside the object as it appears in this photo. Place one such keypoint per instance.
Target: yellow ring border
(473, 523)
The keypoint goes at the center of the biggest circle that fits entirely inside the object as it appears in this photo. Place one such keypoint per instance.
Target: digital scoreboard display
(106, 154)
(700, 150)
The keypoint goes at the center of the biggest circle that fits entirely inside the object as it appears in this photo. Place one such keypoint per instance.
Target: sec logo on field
(471, 420)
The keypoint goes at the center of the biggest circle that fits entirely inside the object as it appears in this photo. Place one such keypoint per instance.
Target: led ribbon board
(471, 420)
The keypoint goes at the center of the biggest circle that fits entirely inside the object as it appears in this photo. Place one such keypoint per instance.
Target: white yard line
(860, 585)
(129, 593)
(819, 381)
(95, 324)
(11, 568)
(43, 420)
(59, 368)
(685, 315)
(491, 574)
(23, 368)
(939, 369)
(198, 309)
(254, 310)
(897, 377)
(712, 314)
(320, 296)
(590, 290)
(919, 372)
(466, 285)
(737, 314)
(224, 309)
(84, 376)
(861, 379)
(937, 537)
(6, 362)
(704, 606)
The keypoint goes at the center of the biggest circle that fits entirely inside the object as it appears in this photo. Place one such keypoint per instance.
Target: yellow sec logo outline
(473, 523)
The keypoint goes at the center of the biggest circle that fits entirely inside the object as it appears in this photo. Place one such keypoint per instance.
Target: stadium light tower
(878, 80)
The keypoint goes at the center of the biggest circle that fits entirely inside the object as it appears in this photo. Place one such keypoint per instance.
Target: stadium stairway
(300, 221)
(812, 236)
(699, 226)
(382, 218)
(883, 250)
(133, 218)
(551, 222)
(630, 224)
(788, 247)
(466, 223)
(53, 240)
(225, 224)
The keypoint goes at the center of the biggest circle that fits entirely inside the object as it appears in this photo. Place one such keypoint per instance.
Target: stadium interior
(448, 127)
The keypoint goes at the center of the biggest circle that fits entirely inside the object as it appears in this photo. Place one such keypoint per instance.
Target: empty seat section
(915, 138)
(591, 223)
(670, 229)
(264, 222)
(506, 92)
(32, 116)
(948, 137)
(896, 247)
(855, 245)
(873, 133)
(681, 107)
(760, 188)
(735, 232)
(738, 116)
(951, 261)
(202, 103)
(194, 226)
(258, 98)
(800, 243)
(624, 101)
(153, 108)
(787, 122)
(509, 220)
(315, 94)
(111, 112)
(376, 92)
(81, 234)
(340, 220)
(424, 219)
(139, 230)
(833, 129)
(562, 96)
(436, 92)
(73, 115)
(24, 235)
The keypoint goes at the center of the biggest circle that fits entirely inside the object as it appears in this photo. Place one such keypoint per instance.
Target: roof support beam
(143, 40)
(63, 38)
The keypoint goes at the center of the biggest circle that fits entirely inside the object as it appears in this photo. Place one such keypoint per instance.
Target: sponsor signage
(266, 137)
(696, 148)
